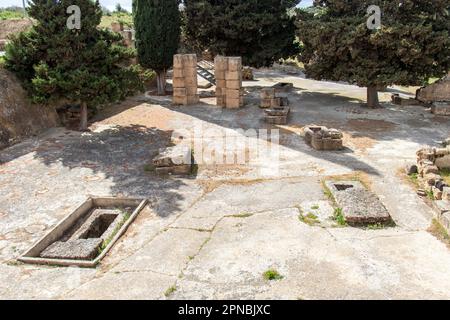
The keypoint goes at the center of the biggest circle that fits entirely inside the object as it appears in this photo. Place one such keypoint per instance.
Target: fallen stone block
(446, 193)
(173, 156)
(445, 220)
(442, 207)
(277, 115)
(324, 139)
(441, 108)
(359, 205)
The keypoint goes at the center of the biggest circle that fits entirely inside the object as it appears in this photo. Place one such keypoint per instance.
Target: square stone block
(233, 75)
(233, 94)
(235, 64)
(441, 108)
(234, 84)
(233, 103)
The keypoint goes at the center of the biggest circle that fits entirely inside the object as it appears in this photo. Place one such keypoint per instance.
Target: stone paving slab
(316, 263)
(168, 253)
(142, 285)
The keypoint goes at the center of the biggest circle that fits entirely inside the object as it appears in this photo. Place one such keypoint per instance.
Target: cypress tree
(85, 66)
(411, 45)
(157, 24)
(260, 31)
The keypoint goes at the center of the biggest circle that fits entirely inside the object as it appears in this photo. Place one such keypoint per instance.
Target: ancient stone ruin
(175, 160)
(228, 73)
(359, 206)
(276, 96)
(438, 95)
(430, 161)
(277, 115)
(85, 236)
(185, 79)
(323, 139)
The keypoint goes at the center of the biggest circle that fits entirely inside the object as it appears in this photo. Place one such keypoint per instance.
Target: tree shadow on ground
(120, 154)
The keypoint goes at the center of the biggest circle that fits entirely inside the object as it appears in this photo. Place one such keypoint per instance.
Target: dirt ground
(11, 26)
(213, 234)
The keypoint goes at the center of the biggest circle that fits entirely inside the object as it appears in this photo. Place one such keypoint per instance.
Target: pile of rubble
(185, 84)
(174, 160)
(323, 139)
(228, 73)
(430, 161)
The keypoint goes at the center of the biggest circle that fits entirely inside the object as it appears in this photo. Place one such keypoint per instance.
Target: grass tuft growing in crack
(339, 217)
(310, 219)
(106, 242)
(272, 274)
(170, 291)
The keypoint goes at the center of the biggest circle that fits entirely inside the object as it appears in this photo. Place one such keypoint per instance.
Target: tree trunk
(372, 97)
(161, 82)
(83, 117)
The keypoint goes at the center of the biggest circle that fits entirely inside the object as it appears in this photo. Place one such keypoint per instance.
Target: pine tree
(157, 25)
(261, 31)
(411, 45)
(85, 66)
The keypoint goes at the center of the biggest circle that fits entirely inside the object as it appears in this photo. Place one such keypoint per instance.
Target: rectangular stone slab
(359, 205)
(173, 156)
(79, 249)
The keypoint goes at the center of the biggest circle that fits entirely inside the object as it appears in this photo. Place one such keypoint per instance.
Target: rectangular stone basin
(85, 236)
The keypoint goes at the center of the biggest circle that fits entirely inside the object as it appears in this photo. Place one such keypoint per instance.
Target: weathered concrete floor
(213, 235)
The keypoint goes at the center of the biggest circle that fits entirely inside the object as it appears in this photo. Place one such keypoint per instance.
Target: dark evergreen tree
(261, 31)
(411, 45)
(157, 24)
(85, 66)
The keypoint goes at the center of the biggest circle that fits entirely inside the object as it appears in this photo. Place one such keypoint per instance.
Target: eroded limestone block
(441, 108)
(77, 249)
(324, 139)
(173, 156)
(359, 205)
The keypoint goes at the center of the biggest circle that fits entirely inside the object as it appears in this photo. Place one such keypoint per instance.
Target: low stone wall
(19, 118)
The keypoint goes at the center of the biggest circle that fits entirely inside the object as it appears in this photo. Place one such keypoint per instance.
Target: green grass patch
(445, 174)
(106, 242)
(6, 14)
(242, 215)
(170, 291)
(438, 230)
(430, 195)
(339, 217)
(149, 168)
(125, 18)
(310, 219)
(315, 207)
(271, 275)
(414, 178)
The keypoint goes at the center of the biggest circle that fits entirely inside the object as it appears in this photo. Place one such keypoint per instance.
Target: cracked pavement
(211, 236)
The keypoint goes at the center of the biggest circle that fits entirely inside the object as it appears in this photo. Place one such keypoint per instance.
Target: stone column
(228, 73)
(185, 79)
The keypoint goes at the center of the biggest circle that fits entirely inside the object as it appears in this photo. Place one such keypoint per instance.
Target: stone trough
(360, 206)
(85, 236)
